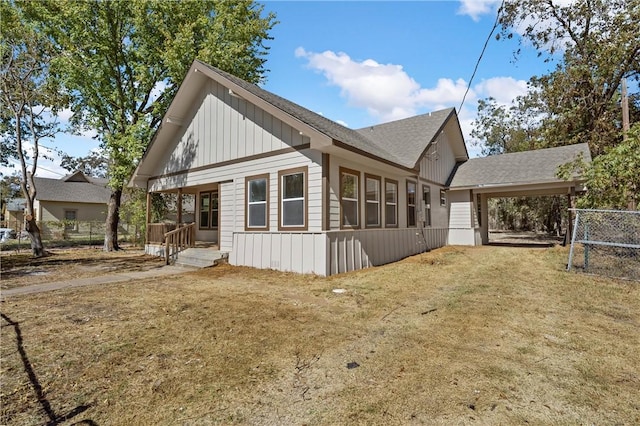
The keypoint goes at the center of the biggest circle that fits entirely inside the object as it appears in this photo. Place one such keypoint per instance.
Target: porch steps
(200, 257)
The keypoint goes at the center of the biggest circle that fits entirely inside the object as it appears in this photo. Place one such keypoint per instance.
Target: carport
(519, 174)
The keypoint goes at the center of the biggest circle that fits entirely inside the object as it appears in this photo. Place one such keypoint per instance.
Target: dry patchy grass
(457, 336)
(18, 269)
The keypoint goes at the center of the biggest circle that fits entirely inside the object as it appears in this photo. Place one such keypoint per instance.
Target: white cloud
(503, 89)
(386, 91)
(476, 8)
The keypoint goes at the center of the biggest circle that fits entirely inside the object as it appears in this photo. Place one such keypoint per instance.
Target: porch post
(148, 218)
(179, 218)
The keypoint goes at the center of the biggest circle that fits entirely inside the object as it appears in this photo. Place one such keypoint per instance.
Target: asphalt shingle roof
(401, 142)
(517, 168)
(92, 191)
(407, 139)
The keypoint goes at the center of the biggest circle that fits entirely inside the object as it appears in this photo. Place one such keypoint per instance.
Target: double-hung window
(349, 198)
(70, 220)
(391, 203)
(257, 190)
(411, 203)
(293, 199)
(372, 201)
(426, 199)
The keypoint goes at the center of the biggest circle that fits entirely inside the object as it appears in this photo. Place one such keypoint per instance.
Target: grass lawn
(485, 335)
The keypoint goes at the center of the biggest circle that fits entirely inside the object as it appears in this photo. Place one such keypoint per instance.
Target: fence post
(573, 240)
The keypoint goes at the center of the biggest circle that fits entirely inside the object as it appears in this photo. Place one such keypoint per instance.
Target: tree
(599, 44)
(123, 74)
(595, 44)
(95, 164)
(28, 95)
(613, 180)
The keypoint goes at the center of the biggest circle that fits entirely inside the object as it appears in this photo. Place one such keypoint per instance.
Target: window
(391, 203)
(426, 199)
(479, 206)
(349, 205)
(257, 190)
(411, 203)
(443, 197)
(293, 199)
(372, 201)
(209, 210)
(70, 218)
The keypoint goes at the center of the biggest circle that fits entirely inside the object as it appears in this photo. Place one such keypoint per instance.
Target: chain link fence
(67, 233)
(606, 242)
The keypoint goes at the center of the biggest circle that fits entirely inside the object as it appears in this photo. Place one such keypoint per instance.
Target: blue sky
(366, 62)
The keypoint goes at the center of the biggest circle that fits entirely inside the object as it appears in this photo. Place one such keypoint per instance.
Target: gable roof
(408, 139)
(526, 167)
(73, 189)
(403, 148)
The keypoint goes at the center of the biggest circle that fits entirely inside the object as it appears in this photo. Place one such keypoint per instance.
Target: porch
(177, 244)
(183, 225)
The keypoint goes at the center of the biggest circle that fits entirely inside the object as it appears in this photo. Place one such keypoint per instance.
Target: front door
(208, 215)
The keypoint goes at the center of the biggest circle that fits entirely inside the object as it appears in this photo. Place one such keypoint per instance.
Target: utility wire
(495, 25)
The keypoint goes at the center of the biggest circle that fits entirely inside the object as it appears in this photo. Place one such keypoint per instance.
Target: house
(279, 186)
(73, 198)
(13, 214)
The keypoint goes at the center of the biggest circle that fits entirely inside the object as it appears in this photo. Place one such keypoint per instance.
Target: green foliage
(93, 164)
(123, 61)
(613, 178)
(499, 129)
(596, 43)
(123, 74)
(28, 93)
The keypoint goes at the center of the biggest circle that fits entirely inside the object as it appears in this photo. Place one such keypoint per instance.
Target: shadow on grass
(37, 387)
(520, 245)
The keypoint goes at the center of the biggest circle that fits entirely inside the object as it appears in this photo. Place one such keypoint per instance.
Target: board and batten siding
(331, 252)
(301, 252)
(221, 128)
(439, 160)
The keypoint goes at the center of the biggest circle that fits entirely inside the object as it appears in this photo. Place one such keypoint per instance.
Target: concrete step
(200, 257)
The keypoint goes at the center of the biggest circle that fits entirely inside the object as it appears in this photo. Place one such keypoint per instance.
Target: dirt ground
(460, 335)
(18, 269)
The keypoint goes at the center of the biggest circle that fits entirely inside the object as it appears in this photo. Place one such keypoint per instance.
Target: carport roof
(518, 168)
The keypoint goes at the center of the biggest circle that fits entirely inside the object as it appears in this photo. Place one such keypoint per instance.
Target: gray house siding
(222, 128)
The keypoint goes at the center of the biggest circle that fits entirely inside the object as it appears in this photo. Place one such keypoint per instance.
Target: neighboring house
(279, 186)
(74, 198)
(14, 213)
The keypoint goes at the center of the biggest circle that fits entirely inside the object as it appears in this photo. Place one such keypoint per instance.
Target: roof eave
(411, 170)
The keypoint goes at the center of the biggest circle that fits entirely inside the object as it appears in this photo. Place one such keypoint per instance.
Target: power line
(495, 25)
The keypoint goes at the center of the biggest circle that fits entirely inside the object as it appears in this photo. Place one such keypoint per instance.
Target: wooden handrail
(179, 239)
(156, 231)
